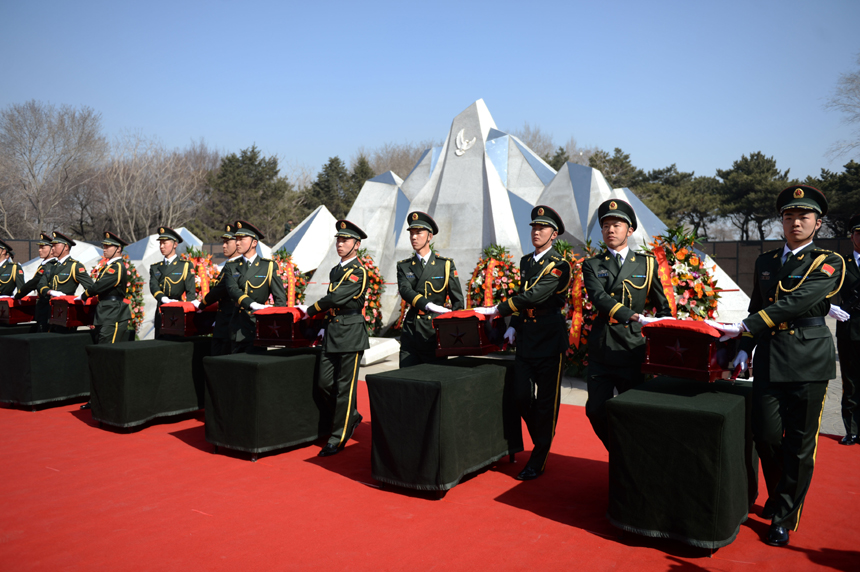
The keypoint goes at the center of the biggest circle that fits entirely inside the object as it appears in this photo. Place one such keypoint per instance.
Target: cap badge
(238, 225)
(540, 211)
(107, 235)
(161, 230)
(414, 216)
(54, 234)
(343, 225)
(229, 228)
(613, 206)
(798, 193)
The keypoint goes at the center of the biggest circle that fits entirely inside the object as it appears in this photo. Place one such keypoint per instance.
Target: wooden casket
(182, 319)
(71, 313)
(284, 327)
(467, 333)
(687, 349)
(14, 311)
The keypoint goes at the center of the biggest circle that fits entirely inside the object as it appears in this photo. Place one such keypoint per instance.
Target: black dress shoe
(528, 474)
(352, 429)
(86, 405)
(848, 440)
(328, 450)
(777, 535)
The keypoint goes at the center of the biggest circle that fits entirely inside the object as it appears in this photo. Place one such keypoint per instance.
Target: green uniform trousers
(786, 418)
(111, 333)
(338, 386)
(849, 365)
(602, 382)
(414, 350)
(538, 394)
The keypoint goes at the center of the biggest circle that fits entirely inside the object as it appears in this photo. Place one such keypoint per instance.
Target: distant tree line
(58, 171)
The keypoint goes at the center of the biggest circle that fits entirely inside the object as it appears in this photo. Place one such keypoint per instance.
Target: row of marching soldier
(793, 289)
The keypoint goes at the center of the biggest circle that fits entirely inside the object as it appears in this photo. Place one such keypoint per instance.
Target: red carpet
(76, 497)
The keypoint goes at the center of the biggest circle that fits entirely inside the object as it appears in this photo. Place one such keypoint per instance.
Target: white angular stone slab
(380, 350)
(311, 240)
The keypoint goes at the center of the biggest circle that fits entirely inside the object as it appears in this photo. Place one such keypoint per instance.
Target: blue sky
(693, 83)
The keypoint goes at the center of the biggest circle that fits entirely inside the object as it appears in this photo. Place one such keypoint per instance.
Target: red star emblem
(677, 350)
(458, 337)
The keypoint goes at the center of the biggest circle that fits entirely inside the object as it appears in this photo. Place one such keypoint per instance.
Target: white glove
(645, 320)
(303, 309)
(491, 311)
(78, 298)
(510, 336)
(729, 330)
(5, 297)
(257, 306)
(196, 304)
(165, 300)
(741, 360)
(435, 308)
(321, 334)
(838, 313)
(55, 293)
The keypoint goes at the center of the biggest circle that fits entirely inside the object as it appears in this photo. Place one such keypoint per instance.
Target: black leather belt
(534, 312)
(802, 323)
(345, 312)
(106, 298)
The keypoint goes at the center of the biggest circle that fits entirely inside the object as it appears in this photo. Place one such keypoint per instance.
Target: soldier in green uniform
(66, 275)
(111, 286)
(794, 355)
(222, 340)
(540, 332)
(848, 337)
(424, 280)
(345, 335)
(11, 275)
(618, 282)
(252, 280)
(172, 277)
(43, 303)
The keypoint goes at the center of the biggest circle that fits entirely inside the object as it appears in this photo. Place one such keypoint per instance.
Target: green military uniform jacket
(617, 294)
(253, 282)
(172, 280)
(218, 293)
(536, 307)
(43, 302)
(11, 278)
(781, 294)
(849, 330)
(345, 329)
(65, 277)
(110, 286)
(418, 286)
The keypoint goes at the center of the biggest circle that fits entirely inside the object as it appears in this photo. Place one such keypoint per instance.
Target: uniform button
(791, 332)
(773, 333)
(770, 299)
(625, 325)
(613, 294)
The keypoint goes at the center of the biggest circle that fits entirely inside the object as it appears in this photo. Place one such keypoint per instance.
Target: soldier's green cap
(347, 229)
(44, 239)
(618, 209)
(167, 233)
(854, 223)
(244, 228)
(58, 237)
(228, 231)
(418, 219)
(542, 214)
(5, 246)
(112, 239)
(801, 197)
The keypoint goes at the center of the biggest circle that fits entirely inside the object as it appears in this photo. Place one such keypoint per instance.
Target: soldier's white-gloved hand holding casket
(741, 360)
(303, 309)
(510, 335)
(645, 320)
(196, 304)
(166, 300)
(838, 313)
(491, 311)
(729, 330)
(437, 309)
(257, 306)
(55, 293)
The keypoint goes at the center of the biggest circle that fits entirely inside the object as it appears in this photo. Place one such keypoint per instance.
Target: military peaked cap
(58, 237)
(112, 239)
(544, 215)
(854, 223)
(44, 239)
(418, 219)
(228, 231)
(167, 233)
(244, 228)
(618, 209)
(802, 197)
(5, 246)
(347, 229)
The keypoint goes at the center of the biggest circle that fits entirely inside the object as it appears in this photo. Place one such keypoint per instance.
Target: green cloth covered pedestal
(135, 382)
(433, 424)
(15, 330)
(41, 368)
(681, 460)
(257, 403)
